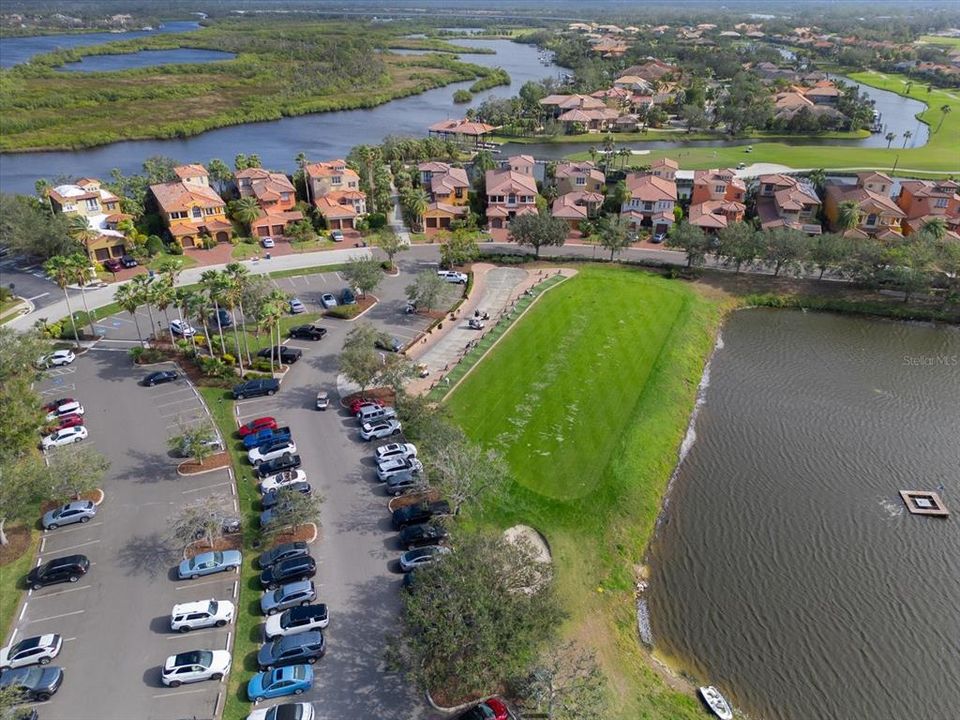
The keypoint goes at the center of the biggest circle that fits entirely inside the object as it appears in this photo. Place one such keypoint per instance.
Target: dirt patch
(226, 542)
(385, 395)
(407, 500)
(537, 541)
(214, 462)
(96, 496)
(18, 538)
(305, 533)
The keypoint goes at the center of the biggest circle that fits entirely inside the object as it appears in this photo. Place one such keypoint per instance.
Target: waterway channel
(786, 569)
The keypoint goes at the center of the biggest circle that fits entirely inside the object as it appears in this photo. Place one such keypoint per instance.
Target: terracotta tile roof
(572, 169)
(330, 207)
(930, 188)
(438, 207)
(506, 182)
(462, 127)
(667, 163)
(433, 166)
(330, 169)
(272, 187)
(564, 208)
(447, 182)
(177, 196)
(650, 188)
(867, 200)
(711, 177)
(282, 216)
(252, 174)
(187, 171)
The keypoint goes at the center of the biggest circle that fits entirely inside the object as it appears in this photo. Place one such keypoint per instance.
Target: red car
(355, 404)
(51, 406)
(490, 709)
(66, 421)
(254, 426)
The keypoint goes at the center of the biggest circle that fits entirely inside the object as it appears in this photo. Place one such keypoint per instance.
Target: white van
(373, 414)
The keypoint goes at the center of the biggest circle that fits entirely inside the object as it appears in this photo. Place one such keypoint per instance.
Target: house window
(458, 192)
(941, 203)
(768, 188)
(871, 219)
(581, 180)
(719, 189)
(511, 199)
(335, 180)
(285, 197)
(93, 204)
(197, 213)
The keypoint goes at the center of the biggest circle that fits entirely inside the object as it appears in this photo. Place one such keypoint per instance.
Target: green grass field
(12, 582)
(950, 42)
(588, 398)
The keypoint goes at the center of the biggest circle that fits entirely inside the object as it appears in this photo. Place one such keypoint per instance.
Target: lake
(16, 50)
(785, 569)
(145, 58)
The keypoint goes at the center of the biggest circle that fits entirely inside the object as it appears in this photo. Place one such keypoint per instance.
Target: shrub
(344, 312)
(375, 221)
(208, 242)
(386, 265)
(462, 96)
(262, 364)
(199, 340)
(154, 246)
(214, 367)
(176, 248)
(257, 376)
(228, 359)
(135, 353)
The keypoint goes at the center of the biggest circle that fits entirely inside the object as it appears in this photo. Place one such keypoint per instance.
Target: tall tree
(220, 172)
(538, 230)
(425, 290)
(692, 240)
(614, 234)
(739, 245)
(363, 273)
(215, 285)
(415, 202)
(786, 248)
(944, 111)
(890, 137)
(827, 251)
(203, 519)
(128, 298)
(293, 510)
(464, 473)
(60, 269)
(459, 249)
(164, 295)
(72, 474)
(848, 216)
(390, 243)
(81, 275)
(141, 285)
(240, 277)
(566, 684)
(246, 211)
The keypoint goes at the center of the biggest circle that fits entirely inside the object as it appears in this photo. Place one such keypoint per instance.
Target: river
(785, 569)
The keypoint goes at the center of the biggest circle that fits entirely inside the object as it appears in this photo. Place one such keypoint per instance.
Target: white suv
(271, 451)
(398, 466)
(205, 613)
(195, 666)
(452, 276)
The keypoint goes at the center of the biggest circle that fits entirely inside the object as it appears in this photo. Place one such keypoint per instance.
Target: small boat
(716, 702)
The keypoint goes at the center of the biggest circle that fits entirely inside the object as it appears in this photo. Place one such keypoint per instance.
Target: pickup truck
(264, 436)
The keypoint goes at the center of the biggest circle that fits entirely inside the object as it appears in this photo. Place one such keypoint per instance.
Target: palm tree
(415, 202)
(819, 178)
(906, 136)
(82, 274)
(231, 297)
(484, 161)
(60, 270)
(593, 154)
(936, 227)
(908, 87)
(944, 111)
(848, 215)
(80, 230)
(214, 285)
(127, 298)
(195, 306)
(890, 137)
(141, 286)
(369, 156)
(164, 295)
(241, 280)
(270, 313)
(246, 211)
(279, 302)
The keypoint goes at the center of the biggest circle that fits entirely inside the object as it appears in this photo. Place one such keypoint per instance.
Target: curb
(376, 301)
(103, 496)
(200, 472)
(454, 708)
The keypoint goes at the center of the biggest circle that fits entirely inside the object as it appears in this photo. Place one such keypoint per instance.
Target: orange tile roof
(650, 188)
(505, 182)
(329, 169)
(177, 196)
(187, 171)
(462, 127)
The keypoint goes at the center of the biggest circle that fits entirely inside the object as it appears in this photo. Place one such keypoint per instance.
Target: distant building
(463, 132)
(880, 217)
(924, 200)
(578, 176)
(717, 199)
(276, 197)
(652, 199)
(785, 201)
(334, 189)
(509, 194)
(191, 209)
(86, 198)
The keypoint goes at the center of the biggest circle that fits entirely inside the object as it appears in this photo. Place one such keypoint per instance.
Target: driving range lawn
(588, 398)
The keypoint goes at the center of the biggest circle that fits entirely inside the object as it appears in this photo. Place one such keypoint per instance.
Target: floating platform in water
(924, 502)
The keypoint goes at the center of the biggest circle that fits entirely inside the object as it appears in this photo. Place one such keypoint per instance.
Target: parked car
(267, 242)
(359, 408)
(275, 467)
(394, 450)
(282, 552)
(490, 709)
(64, 436)
(160, 377)
(37, 684)
(388, 343)
(286, 596)
(271, 451)
(59, 403)
(195, 666)
(129, 261)
(323, 400)
(182, 328)
(201, 614)
(452, 276)
(328, 300)
(414, 536)
(347, 297)
(274, 513)
(422, 556)
(37, 650)
(297, 306)
(659, 238)
(266, 436)
(419, 513)
(380, 429)
(292, 680)
(270, 499)
(282, 479)
(209, 563)
(405, 483)
(297, 620)
(256, 388)
(389, 467)
(260, 423)
(223, 317)
(65, 421)
(65, 569)
(55, 359)
(286, 711)
(308, 332)
(306, 647)
(336, 235)
(475, 324)
(112, 265)
(286, 355)
(71, 407)
(286, 571)
(78, 511)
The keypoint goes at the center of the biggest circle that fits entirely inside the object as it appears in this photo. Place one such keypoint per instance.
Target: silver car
(287, 596)
(78, 511)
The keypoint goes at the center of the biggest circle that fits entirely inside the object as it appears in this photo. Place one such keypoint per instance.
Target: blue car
(292, 680)
(209, 563)
(265, 437)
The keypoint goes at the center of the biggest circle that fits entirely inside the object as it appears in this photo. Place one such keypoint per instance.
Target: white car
(38, 650)
(204, 613)
(57, 358)
(282, 479)
(422, 556)
(195, 666)
(271, 451)
(398, 466)
(287, 711)
(395, 450)
(65, 436)
(182, 328)
(452, 276)
(296, 620)
(380, 429)
(267, 242)
(67, 408)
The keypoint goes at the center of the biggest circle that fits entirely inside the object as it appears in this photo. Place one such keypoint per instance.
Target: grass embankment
(939, 157)
(588, 398)
(11, 581)
(950, 42)
(282, 67)
(247, 631)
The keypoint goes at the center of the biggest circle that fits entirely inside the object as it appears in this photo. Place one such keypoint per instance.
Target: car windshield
(197, 657)
(286, 712)
(212, 607)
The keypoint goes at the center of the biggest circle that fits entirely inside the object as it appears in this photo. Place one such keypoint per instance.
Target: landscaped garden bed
(214, 462)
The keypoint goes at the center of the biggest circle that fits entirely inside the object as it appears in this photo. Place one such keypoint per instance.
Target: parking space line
(205, 487)
(80, 526)
(61, 592)
(74, 547)
(192, 633)
(181, 692)
(197, 584)
(69, 639)
(57, 617)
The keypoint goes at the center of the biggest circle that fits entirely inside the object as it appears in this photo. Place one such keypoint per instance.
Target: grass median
(588, 399)
(12, 576)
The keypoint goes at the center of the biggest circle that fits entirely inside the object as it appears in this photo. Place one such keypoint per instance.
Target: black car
(66, 569)
(271, 498)
(129, 261)
(347, 297)
(287, 355)
(308, 332)
(37, 683)
(283, 552)
(299, 568)
(277, 465)
(420, 513)
(160, 377)
(414, 536)
(223, 316)
(306, 647)
(255, 388)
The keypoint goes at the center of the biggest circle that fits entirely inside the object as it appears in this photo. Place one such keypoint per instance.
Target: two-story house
(717, 199)
(86, 198)
(578, 177)
(925, 200)
(191, 209)
(334, 189)
(509, 193)
(785, 201)
(650, 203)
(276, 197)
(880, 217)
(449, 190)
